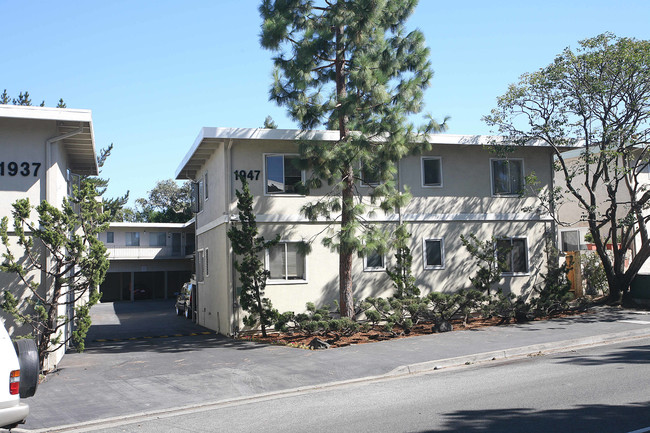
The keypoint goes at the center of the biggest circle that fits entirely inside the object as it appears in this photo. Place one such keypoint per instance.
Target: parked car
(184, 299)
(19, 371)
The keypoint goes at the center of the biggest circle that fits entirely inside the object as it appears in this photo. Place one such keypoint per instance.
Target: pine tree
(349, 66)
(247, 244)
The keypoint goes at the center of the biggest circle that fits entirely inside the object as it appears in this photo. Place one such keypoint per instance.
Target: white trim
(489, 217)
(439, 158)
(442, 253)
(215, 223)
(302, 174)
(523, 177)
(45, 113)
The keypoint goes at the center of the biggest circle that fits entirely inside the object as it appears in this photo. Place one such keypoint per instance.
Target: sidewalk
(122, 378)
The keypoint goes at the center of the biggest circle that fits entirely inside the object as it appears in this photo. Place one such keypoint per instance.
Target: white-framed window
(431, 171)
(132, 239)
(570, 240)
(507, 176)
(157, 239)
(433, 253)
(200, 258)
(281, 174)
(286, 262)
(374, 261)
(110, 237)
(207, 262)
(205, 185)
(513, 252)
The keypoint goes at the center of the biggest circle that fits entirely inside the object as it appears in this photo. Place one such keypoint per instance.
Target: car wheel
(188, 313)
(178, 311)
(29, 366)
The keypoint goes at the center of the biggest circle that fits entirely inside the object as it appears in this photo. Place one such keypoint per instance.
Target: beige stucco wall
(463, 205)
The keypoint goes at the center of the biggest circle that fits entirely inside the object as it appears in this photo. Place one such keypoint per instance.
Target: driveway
(135, 320)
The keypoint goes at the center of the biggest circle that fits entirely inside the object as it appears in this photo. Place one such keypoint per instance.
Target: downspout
(234, 305)
(49, 197)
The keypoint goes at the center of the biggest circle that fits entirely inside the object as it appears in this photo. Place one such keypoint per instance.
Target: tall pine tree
(350, 66)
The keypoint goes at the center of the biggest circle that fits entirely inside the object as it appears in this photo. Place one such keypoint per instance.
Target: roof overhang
(209, 139)
(74, 125)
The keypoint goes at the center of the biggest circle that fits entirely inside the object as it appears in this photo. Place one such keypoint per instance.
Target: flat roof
(210, 138)
(76, 124)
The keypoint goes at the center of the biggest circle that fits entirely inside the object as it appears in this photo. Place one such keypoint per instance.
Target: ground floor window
(434, 257)
(513, 252)
(285, 262)
(373, 261)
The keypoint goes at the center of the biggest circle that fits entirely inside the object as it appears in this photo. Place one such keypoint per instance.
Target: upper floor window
(431, 171)
(132, 239)
(285, 262)
(205, 184)
(282, 174)
(110, 237)
(434, 256)
(513, 252)
(570, 240)
(507, 176)
(157, 239)
(370, 175)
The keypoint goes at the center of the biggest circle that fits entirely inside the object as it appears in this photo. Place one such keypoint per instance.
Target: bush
(593, 274)
(553, 296)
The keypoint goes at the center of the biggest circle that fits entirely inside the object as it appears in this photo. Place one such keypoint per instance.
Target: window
(373, 261)
(434, 255)
(370, 176)
(431, 171)
(507, 176)
(196, 197)
(513, 252)
(199, 266)
(205, 185)
(110, 237)
(282, 174)
(157, 239)
(285, 262)
(207, 262)
(570, 240)
(132, 239)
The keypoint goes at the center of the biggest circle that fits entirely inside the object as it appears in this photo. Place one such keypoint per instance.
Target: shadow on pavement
(632, 355)
(582, 418)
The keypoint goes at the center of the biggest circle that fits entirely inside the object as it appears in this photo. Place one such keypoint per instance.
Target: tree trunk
(345, 250)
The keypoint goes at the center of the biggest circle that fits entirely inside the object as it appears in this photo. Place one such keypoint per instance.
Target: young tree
(247, 243)
(63, 245)
(349, 66)
(596, 97)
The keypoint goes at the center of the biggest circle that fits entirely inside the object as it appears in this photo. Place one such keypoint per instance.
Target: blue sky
(154, 72)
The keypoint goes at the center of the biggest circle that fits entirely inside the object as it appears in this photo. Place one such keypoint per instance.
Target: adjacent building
(147, 260)
(44, 151)
(459, 187)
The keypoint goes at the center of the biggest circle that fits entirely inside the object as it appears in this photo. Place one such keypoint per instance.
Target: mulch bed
(378, 333)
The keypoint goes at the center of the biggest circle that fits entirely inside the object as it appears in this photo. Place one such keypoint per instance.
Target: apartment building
(147, 260)
(44, 150)
(459, 187)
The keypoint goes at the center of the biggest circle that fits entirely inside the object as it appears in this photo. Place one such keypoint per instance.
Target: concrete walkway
(115, 379)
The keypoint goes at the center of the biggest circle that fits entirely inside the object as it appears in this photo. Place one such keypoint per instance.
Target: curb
(523, 351)
(406, 370)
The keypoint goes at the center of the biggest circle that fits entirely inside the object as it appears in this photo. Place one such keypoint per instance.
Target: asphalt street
(602, 389)
(159, 362)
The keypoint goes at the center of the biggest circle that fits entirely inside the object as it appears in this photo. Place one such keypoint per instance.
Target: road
(602, 389)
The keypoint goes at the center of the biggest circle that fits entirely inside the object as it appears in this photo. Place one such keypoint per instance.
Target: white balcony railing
(142, 253)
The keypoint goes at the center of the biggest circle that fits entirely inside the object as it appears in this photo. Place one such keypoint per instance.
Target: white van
(13, 384)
